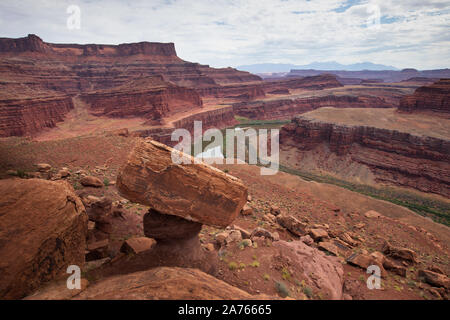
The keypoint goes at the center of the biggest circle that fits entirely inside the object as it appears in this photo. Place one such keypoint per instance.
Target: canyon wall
(216, 118)
(434, 97)
(27, 116)
(105, 75)
(287, 108)
(393, 157)
(150, 98)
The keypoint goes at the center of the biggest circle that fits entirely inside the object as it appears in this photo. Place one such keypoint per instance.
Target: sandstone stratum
(376, 145)
(434, 98)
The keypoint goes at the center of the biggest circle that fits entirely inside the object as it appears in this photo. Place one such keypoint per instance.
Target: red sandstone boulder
(43, 228)
(196, 192)
(90, 181)
(137, 245)
(319, 271)
(163, 284)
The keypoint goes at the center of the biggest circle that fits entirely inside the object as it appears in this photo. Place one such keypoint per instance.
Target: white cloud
(234, 32)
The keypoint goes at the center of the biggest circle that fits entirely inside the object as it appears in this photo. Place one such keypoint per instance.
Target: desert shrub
(308, 292)
(282, 289)
(232, 266)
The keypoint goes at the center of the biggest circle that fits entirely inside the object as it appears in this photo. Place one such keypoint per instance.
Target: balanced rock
(196, 192)
(43, 227)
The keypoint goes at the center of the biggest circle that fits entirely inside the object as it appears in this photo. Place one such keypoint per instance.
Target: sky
(222, 33)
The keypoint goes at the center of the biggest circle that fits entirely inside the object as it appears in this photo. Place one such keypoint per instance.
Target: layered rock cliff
(392, 157)
(102, 75)
(434, 97)
(286, 108)
(150, 98)
(216, 118)
(27, 116)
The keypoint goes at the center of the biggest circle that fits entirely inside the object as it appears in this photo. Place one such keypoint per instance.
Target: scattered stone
(275, 210)
(221, 238)
(95, 264)
(307, 240)
(436, 269)
(244, 233)
(292, 224)
(378, 256)
(275, 236)
(63, 173)
(318, 234)
(329, 247)
(43, 167)
(261, 232)
(43, 228)
(97, 250)
(435, 279)
(360, 260)
(360, 225)
(372, 214)
(196, 192)
(348, 239)
(209, 247)
(399, 253)
(137, 245)
(394, 267)
(233, 236)
(90, 181)
(247, 210)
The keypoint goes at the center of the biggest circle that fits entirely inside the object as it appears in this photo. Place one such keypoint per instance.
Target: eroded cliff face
(317, 82)
(393, 157)
(434, 97)
(216, 118)
(27, 116)
(105, 76)
(150, 98)
(287, 108)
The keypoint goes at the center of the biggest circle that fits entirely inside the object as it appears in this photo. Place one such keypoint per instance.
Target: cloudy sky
(411, 33)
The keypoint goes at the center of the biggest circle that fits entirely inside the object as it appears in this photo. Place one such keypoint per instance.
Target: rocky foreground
(172, 234)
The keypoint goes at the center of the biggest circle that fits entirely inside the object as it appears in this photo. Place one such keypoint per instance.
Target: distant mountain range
(329, 65)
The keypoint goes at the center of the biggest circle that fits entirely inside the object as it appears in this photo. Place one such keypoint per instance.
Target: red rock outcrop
(27, 116)
(287, 108)
(43, 227)
(195, 192)
(435, 97)
(165, 284)
(216, 118)
(151, 98)
(242, 92)
(396, 158)
(318, 82)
